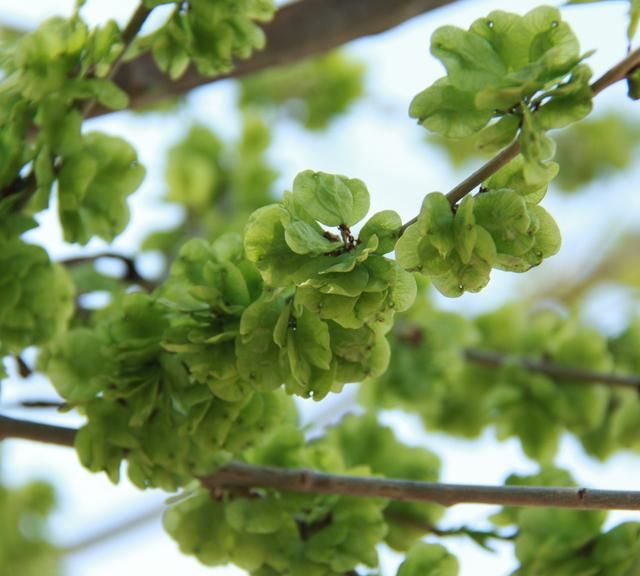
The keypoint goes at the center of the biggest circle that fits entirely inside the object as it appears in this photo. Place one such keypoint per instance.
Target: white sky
(381, 145)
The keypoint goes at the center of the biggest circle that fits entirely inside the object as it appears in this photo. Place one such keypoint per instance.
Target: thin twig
(24, 370)
(238, 474)
(458, 192)
(113, 530)
(128, 36)
(241, 475)
(132, 274)
(618, 72)
(427, 528)
(57, 404)
(494, 359)
(28, 430)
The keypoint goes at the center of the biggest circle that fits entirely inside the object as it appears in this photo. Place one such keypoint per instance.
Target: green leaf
(330, 199)
(109, 94)
(634, 18)
(465, 230)
(504, 214)
(438, 219)
(569, 102)
(303, 238)
(499, 134)
(470, 60)
(194, 172)
(447, 110)
(386, 227)
(407, 247)
(26, 317)
(93, 186)
(547, 237)
(633, 85)
(537, 149)
(429, 560)
(512, 176)
(314, 92)
(73, 362)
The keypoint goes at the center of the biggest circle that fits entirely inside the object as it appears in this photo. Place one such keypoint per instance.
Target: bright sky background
(381, 145)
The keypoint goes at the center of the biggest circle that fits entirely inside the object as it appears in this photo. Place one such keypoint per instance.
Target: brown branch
(38, 404)
(135, 24)
(241, 475)
(238, 474)
(493, 359)
(298, 31)
(27, 430)
(458, 192)
(132, 274)
(24, 370)
(427, 528)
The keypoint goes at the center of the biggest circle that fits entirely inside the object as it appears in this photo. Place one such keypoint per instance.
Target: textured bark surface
(298, 30)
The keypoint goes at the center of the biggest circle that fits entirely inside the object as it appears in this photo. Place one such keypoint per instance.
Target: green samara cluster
(502, 227)
(178, 376)
(24, 545)
(508, 76)
(269, 533)
(186, 37)
(443, 367)
(330, 296)
(190, 375)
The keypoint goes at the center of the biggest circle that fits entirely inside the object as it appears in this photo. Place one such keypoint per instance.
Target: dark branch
(26, 430)
(132, 274)
(38, 404)
(239, 475)
(24, 370)
(493, 359)
(474, 534)
(131, 30)
(298, 31)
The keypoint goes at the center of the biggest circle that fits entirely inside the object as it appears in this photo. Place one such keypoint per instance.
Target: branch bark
(493, 359)
(27, 430)
(135, 24)
(240, 475)
(298, 31)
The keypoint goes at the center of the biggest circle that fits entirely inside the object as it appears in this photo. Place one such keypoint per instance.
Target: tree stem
(241, 475)
(129, 34)
(493, 359)
(27, 430)
(238, 474)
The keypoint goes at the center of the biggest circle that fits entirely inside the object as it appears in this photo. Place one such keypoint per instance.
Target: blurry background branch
(298, 31)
